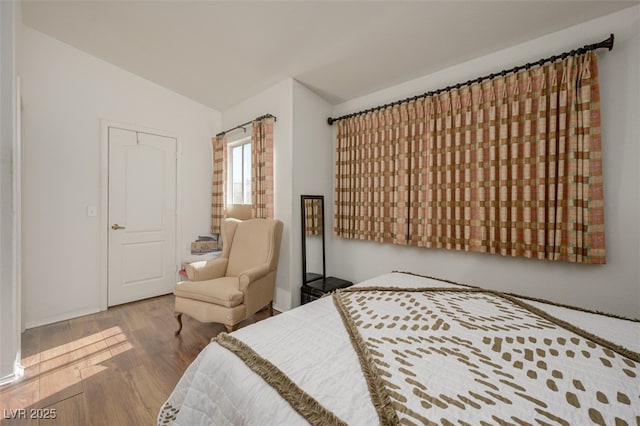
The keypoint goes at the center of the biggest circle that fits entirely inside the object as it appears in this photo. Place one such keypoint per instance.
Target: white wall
(9, 235)
(312, 175)
(276, 100)
(67, 94)
(614, 287)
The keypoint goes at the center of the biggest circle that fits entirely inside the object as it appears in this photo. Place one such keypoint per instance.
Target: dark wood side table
(316, 289)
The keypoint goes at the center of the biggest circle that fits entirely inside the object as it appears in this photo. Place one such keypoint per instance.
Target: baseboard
(61, 317)
(18, 372)
(278, 308)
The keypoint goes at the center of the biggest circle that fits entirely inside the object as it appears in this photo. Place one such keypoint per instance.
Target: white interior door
(142, 215)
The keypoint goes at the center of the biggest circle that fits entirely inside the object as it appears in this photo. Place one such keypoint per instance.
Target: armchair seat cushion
(220, 291)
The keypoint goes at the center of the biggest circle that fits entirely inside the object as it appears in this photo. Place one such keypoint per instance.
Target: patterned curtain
(262, 169)
(372, 167)
(219, 144)
(510, 166)
(313, 216)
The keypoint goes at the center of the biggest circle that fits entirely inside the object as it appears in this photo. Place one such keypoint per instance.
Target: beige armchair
(240, 282)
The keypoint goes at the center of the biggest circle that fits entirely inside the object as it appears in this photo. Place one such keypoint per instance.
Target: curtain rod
(608, 43)
(241, 126)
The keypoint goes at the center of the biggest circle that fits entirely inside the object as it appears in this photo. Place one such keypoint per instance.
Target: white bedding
(312, 347)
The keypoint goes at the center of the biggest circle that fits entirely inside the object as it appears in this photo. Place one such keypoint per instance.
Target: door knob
(115, 227)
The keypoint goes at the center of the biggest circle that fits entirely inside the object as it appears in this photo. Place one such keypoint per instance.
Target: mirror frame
(305, 278)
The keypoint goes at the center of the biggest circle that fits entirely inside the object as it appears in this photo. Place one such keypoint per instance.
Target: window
(240, 172)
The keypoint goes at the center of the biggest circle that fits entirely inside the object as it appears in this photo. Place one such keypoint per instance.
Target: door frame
(104, 201)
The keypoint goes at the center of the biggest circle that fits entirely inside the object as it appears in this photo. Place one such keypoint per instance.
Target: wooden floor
(112, 368)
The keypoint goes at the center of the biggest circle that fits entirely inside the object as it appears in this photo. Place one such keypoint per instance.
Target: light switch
(92, 211)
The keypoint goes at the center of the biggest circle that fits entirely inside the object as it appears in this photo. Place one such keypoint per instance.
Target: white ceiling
(222, 52)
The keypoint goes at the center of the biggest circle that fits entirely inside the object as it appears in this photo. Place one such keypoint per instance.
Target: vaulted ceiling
(221, 52)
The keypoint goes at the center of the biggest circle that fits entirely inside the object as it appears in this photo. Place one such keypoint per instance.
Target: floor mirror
(313, 253)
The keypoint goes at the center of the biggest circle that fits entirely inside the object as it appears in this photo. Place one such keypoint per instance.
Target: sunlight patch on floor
(59, 371)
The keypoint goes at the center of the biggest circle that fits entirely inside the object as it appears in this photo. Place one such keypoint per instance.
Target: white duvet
(311, 346)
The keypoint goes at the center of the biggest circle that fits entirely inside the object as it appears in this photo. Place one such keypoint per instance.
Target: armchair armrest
(252, 275)
(201, 271)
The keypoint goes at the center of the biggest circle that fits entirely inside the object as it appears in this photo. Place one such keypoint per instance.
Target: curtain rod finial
(330, 121)
(612, 39)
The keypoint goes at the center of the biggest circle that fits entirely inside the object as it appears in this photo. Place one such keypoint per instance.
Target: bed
(408, 349)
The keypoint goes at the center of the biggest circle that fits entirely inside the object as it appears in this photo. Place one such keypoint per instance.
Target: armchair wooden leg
(271, 308)
(231, 328)
(178, 317)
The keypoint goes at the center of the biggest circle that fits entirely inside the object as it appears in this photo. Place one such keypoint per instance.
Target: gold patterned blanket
(469, 356)
(405, 349)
